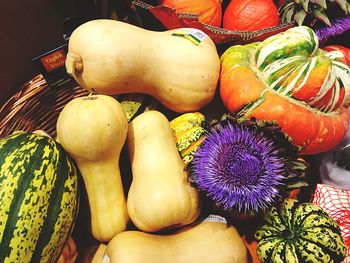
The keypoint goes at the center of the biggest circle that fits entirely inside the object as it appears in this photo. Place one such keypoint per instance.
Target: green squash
(39, 198)
(299, 232)
(189, 132)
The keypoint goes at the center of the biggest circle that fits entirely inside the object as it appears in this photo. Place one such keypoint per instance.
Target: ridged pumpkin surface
(288, 79)
(39, 198)
(299, 232)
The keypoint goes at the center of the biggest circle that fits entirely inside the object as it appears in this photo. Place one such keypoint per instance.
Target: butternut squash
(93, 130)
(160, 196)
(205, 242)
(113, 57)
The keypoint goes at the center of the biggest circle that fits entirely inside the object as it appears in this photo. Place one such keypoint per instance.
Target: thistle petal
(338, 27)
(344, 5)
(299, 17)
(320, 3)
(321, 15)
(246, 165)
(287, 13)
(305, 5)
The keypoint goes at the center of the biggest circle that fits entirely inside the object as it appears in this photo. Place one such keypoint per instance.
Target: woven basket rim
(36, 105)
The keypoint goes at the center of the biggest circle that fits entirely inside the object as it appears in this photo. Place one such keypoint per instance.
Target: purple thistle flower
(337, 27)
(240, 168)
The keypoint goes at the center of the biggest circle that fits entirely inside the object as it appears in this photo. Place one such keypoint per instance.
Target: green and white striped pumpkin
(292, 64)
(299, 232)
(289, 80)
(39, 198)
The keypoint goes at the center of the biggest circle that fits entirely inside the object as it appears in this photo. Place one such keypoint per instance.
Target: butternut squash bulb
(160, 196)
(180, 68)
(93, 130)
(204, 242)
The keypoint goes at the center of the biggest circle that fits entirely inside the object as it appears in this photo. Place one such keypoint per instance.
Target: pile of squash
(286, 78)
(161, 216)
(159, 198)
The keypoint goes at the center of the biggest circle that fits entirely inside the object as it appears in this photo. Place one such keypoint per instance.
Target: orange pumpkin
(208, 11)
(250, 15)
(288, 79)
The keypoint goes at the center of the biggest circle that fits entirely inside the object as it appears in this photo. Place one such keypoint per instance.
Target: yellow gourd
(113, 57)
(160, 196)
(206, 242)
(93, 130)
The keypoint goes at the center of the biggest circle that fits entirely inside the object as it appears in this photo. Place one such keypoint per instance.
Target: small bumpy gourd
(93, 131)
(299, 232)
(189, 132)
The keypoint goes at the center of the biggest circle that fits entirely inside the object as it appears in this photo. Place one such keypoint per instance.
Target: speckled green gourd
(299, 232)
(188, 130)
(39, 198)
(134, 104)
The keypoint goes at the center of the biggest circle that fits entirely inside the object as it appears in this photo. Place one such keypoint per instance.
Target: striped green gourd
(134, 104)
(293, 64)
(39, 198)
(299, 232)
(188, 130)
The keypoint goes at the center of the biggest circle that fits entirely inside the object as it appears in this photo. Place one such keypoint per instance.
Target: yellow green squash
(39, 198)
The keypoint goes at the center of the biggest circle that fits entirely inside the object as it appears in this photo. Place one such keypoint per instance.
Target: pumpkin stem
(288, 234)
(90, 97)
(42, 133)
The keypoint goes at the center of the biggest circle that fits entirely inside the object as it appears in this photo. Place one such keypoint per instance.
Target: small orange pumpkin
(208, 11)
(250, 15)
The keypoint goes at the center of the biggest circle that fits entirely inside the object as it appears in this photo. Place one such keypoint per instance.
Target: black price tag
(52, 66)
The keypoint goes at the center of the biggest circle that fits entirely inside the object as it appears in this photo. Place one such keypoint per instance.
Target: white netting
(336, 202)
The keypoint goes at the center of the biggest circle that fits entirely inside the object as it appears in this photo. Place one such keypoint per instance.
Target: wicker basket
(36, 106)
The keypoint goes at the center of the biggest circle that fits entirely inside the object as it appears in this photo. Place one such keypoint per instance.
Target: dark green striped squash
(299, 232)
(39, 198)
